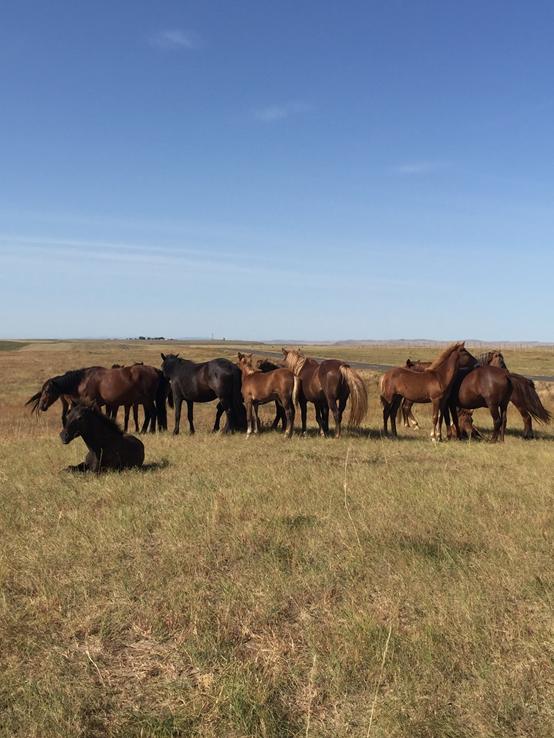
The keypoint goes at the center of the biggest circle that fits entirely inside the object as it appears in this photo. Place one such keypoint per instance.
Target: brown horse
(328, 385)
(258, 387)
(410, 420)
(431, 385)
(485, 386)
(111, 387)
(524, 395)
(52, 388)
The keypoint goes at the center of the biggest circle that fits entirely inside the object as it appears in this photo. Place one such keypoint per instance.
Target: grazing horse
(258, 387)
(328, 385)
(111, 387)
(108, 447)
(485, 386)
(524, 395)
(431, 385)
(63, 387)
(203, 382)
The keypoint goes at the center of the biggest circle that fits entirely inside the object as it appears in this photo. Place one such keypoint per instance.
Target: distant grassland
(12, 345)
(320, 588)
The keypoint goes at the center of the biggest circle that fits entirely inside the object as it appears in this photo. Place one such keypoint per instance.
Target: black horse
(216, 379)
(108, 447)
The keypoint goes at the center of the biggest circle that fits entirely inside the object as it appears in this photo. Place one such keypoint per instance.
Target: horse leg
(153, 415)
(126, 409)
(256, 418)
(178, 401)
(527, 424)
(135, 416)
(332, 405)
(190, 416)
(436, 424)
(393, 412)
(303, 413)
(497, 422)
(146, 419)
(323, 410)
(249, 417)
(504, 415)
(65, 407)
(289, 411)
(218, 413)
(386, 415)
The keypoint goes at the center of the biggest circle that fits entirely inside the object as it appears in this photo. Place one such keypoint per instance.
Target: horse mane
(442, 357)
(68, 381)
(295, 361)
(485, 358)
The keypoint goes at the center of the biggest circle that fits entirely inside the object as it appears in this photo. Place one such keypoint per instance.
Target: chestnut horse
(280, 417)
(431, 385)
(524, 395)
(258, 387)
(328, 385)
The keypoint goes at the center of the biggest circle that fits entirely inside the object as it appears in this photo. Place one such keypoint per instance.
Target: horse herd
(455, 384)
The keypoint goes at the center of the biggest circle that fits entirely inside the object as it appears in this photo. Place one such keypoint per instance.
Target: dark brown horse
(431, 385)
(110, 387)
(484, 386)
(203, 382)
(524, 395)
(108, 447)
(279, 385)
(328, 385)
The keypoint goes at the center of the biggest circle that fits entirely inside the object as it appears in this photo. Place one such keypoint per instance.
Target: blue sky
(304, 170)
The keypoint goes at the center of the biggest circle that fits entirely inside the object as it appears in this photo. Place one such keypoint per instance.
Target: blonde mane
(442, 357)
(295, 361)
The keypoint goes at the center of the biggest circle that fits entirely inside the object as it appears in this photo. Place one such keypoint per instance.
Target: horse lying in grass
(258, 387)
(108, 447)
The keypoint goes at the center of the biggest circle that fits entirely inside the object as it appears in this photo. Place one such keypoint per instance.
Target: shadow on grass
(153, 466)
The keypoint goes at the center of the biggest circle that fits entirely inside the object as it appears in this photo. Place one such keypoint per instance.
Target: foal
(259, 387)
(108, 447)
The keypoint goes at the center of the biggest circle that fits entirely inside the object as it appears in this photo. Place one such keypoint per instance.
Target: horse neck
(447, 370)
(248, 371)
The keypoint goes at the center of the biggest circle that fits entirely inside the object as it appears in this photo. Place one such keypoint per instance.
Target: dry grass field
(264, 587)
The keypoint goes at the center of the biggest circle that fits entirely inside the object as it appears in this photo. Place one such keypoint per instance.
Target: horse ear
(163, 357)
(239, 355)
(285, 352)
(177, 355)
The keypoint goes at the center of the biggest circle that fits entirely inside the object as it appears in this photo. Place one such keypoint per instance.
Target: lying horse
(108, 447)
(203, 382)
(328, 385)
(258, 387)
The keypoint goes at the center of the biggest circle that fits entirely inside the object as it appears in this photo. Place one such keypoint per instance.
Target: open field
(360, 587)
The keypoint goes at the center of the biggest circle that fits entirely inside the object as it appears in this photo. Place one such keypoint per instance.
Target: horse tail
(34, 401)
(358, 395)
(529, 399)
(161, 395)
(295, 390)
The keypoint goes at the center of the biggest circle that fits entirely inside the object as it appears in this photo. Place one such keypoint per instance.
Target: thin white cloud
(175, 39)
(272, 113)
(419, 167)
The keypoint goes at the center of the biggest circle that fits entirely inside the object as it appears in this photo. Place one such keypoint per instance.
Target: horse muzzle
(65, 437)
